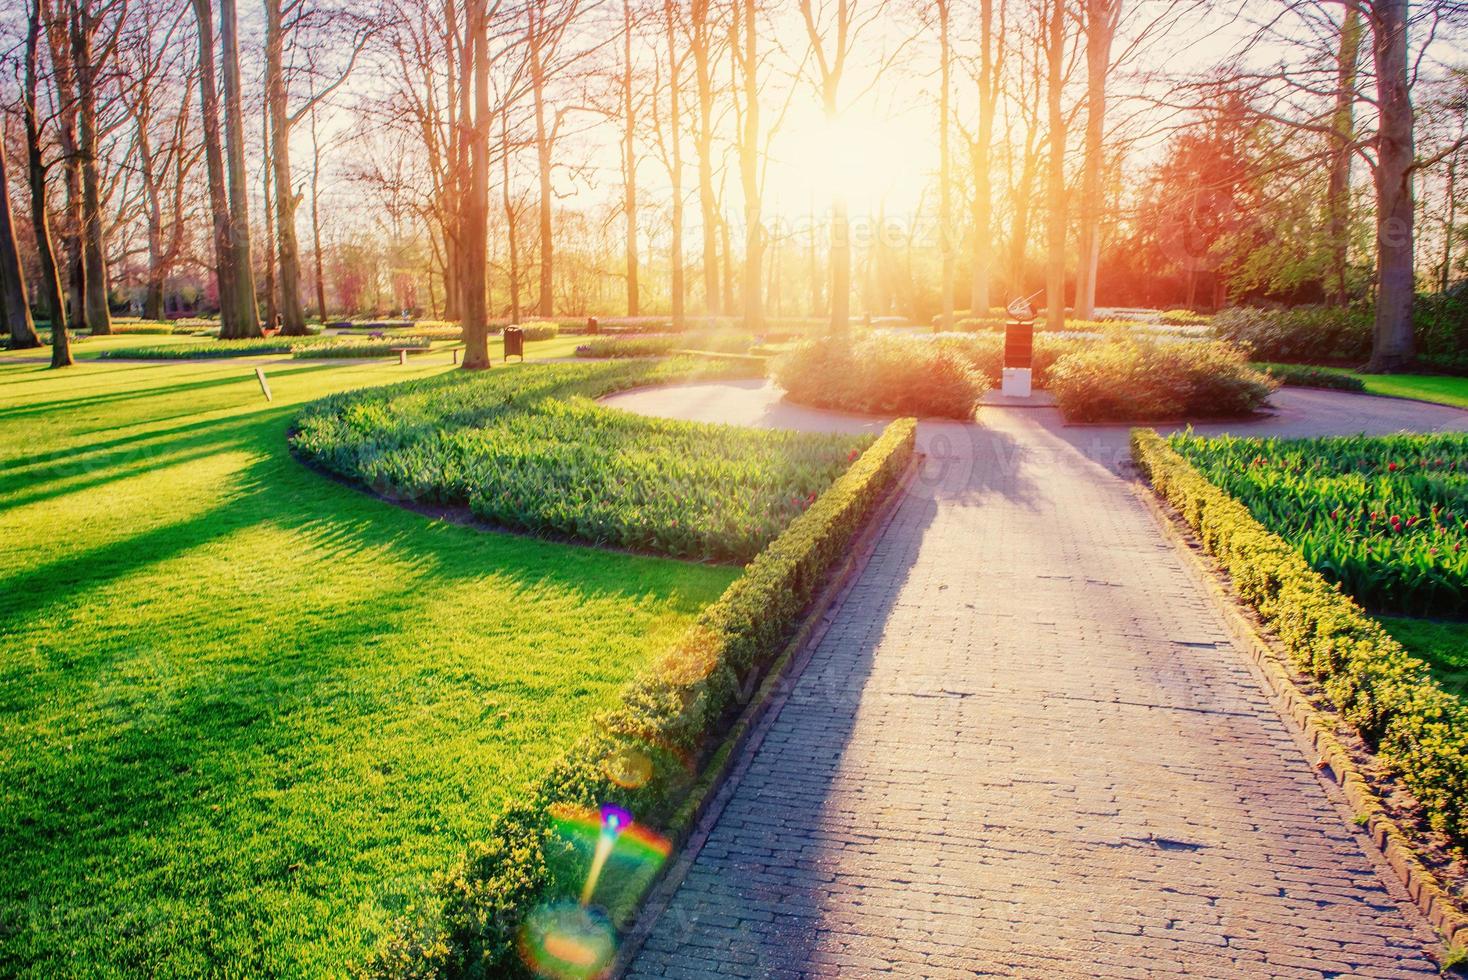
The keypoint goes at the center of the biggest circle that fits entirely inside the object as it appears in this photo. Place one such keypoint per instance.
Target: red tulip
(1391, 467)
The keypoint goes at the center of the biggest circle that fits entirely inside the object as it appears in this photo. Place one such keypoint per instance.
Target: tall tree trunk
(543, 161)
(1449, 221)
(945, 165)
(51, 293)
(153, 203)
(754, 319)
(229, 325)
(707, 199)
(316, 221)
(1101, 21)
(93, 230)
(1338, 189)
(629, 160)
(246, 315)
(1393, 344)
(64, 80)
(1055, 191)
(272, 310)
(14, 306)
(990, 58)
(510, 222)
(675, 166)
(476, 213)
(288, 247)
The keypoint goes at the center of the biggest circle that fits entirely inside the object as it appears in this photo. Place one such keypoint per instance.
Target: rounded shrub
(880, 374)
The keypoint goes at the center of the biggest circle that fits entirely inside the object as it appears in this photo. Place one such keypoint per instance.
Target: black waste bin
(514, 342)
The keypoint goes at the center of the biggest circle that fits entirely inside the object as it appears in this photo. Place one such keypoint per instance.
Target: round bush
(880, 374)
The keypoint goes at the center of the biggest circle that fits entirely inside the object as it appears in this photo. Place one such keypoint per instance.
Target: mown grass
(246, 711)
(1442, 643)
(1442, 389)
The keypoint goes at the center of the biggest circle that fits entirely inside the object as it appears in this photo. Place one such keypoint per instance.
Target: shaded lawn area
(1443, 644)
(1442, 389)
(245, 711)
(91, 348)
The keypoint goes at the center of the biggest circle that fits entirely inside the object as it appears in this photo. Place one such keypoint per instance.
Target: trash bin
(514, 342)
(591, 325)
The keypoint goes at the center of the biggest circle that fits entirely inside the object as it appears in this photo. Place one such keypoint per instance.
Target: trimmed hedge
(1308, 376)
(644, 756)
(1390, 696)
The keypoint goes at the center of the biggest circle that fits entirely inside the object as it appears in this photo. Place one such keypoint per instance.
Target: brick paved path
(1026, 747)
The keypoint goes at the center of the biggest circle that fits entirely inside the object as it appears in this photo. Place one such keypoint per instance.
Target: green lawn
(245, 710)
(1442, 644)
(91, 348)
(1440, 388)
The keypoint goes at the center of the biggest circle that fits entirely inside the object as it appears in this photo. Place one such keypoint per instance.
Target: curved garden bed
(532, 451)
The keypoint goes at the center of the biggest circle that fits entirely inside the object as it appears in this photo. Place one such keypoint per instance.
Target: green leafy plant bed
(529, 892)
(1391, 697)
(883, 374)
(352, 347)
(1386, 517)
(315, 345)
(714, 341)
(530, 449)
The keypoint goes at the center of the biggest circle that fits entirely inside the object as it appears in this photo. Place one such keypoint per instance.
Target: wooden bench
(403, 352)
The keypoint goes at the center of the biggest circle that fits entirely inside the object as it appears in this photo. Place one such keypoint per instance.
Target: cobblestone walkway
(1026, 747)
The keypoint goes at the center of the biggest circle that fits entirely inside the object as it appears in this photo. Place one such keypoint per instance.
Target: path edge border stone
(696, 819)
(1317, 731)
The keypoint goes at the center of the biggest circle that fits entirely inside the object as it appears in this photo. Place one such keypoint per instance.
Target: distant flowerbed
(724, 341)
(1387, 518)
(313, 346)
(530, 449)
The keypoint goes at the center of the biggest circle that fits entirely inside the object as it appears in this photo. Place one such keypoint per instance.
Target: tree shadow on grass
(194, 805)
(33, 409)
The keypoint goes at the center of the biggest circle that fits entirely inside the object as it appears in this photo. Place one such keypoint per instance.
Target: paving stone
(1027, 747)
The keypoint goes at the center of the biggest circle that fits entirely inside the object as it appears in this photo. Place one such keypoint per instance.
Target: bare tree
(989, 71)
(284, 20)
(744, 27)
(36, 171)
(1055, 224)
(14, 306)
(1101, 20)
(838, 23)
(245, 319)
(1343, 124)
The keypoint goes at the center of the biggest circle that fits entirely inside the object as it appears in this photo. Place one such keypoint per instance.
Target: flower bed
(714, 341)
(1383, 516)
(531, 450)
(1417, 728)
(522, 892)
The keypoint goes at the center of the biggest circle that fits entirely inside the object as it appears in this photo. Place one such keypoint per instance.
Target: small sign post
(1019, 348)
(264, 385)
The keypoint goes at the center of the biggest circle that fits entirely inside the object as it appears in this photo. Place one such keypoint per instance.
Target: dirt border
(1316, 732)
(698, 816)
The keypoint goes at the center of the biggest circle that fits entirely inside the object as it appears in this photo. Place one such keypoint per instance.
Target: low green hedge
(1390, 696)
(643, 757)
(1307, 376)
(357, 347)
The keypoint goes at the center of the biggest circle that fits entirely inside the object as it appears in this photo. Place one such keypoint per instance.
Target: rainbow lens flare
(567, 941)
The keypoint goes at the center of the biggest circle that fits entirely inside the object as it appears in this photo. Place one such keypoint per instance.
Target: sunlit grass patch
(246, 711)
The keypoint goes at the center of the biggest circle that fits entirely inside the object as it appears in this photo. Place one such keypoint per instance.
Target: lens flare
(614, 846)
(629, 767)
(567, 941)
